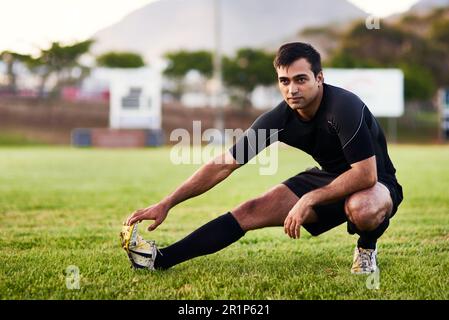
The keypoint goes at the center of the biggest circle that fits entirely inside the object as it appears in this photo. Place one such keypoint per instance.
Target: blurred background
(208, 60)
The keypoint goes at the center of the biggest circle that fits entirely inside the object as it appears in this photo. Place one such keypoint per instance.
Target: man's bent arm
(362, 175)
(204, 179)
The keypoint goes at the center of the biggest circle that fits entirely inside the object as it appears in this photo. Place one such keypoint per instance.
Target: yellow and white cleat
(141, 253)
(364, 261)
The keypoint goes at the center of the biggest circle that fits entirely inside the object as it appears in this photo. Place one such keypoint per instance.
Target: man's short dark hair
(290, 52)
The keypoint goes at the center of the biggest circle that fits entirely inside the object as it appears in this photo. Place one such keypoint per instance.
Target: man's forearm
(347, 183)
(201, 181)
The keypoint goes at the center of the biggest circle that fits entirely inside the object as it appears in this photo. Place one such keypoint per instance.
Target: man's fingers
(134, 214)
(291, 230)
(287, 224)
(135, 219)
(290, 222)
(297, 231)
(128, 222)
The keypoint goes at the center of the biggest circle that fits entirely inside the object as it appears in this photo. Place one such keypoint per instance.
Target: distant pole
(443, 111)
(393, 129)
(440, 116)
(217, 102)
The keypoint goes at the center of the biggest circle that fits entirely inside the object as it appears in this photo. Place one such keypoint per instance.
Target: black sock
(368, 239)
(211, 237)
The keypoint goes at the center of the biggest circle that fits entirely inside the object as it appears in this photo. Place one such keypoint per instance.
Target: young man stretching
(355, 184)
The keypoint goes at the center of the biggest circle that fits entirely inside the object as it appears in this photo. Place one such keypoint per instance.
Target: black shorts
(332, 215)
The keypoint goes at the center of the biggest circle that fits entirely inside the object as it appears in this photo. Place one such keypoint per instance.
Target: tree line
(63, 63)
(242, 73)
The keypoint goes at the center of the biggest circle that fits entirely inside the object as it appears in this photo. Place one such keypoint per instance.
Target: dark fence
(52, 121)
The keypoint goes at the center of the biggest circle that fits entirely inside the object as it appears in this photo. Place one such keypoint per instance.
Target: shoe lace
(365, 258)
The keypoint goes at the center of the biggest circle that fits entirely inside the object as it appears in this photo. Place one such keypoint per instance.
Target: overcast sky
(26, 25)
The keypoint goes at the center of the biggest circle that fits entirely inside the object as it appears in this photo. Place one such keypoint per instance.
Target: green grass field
(61, 206)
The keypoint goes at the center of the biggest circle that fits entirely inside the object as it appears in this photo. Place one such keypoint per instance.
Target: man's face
(298, 84)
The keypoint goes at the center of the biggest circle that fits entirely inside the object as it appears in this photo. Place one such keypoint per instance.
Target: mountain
(188, 24)
(426, 5)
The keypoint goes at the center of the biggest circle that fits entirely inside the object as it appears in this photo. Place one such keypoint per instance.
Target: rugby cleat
(128, 236)
(141, 253)
(364, 261)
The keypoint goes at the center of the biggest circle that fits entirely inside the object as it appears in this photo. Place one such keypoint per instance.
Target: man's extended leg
(270, 209)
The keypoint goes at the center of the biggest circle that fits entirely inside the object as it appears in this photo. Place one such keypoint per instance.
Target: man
(356, 183)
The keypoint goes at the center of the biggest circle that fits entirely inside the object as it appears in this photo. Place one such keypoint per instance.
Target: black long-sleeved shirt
(343, 131)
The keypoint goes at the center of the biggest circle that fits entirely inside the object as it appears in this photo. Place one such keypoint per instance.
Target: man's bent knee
(364, 213)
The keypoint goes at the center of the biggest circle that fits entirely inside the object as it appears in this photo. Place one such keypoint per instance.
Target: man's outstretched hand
(157, 212)
(296, 217)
